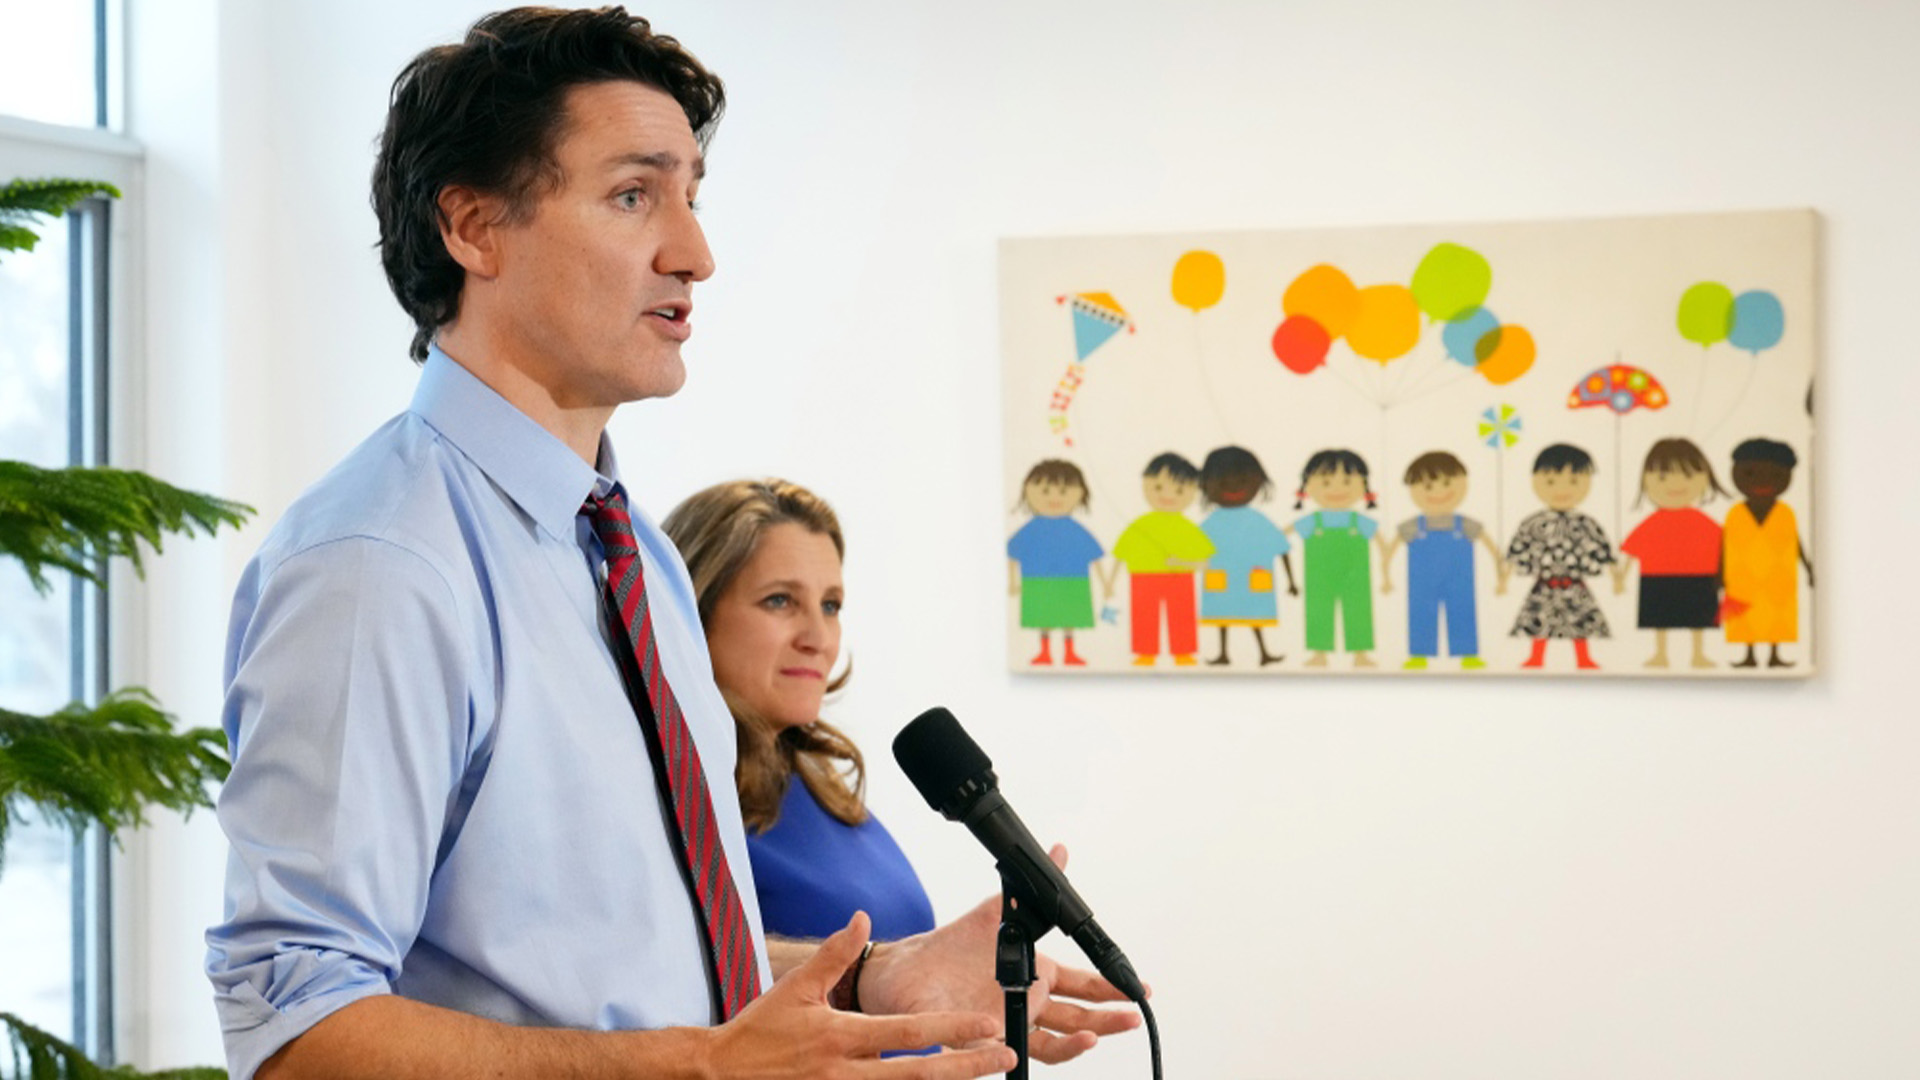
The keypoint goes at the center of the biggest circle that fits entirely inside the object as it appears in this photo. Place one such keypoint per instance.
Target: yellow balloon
(1199, 279)
(1386, 322)
(1511, 357)
(1325, 294)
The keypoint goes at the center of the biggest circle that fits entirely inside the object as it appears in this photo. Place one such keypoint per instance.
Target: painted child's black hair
(1327, 461)
(1767, 450)
(1174, 465)
(1226, 462)
(1563, 456)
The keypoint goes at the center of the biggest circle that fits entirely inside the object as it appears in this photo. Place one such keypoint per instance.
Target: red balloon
(1301, 343)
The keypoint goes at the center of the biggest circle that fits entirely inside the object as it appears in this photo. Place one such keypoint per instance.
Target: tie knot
(610, 521)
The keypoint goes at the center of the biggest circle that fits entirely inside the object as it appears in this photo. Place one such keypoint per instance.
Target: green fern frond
(17, 237)
(104, 764)
(68, 519)
(23, 202)
(52, 197)
(38, 1055)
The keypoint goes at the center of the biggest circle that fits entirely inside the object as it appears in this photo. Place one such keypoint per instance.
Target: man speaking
(481, 812)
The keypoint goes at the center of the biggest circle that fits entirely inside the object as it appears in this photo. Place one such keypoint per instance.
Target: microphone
(956, 778)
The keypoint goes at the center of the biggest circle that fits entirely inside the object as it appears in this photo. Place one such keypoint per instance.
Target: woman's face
(775, 632)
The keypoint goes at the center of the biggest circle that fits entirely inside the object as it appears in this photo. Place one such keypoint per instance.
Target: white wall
(1323, 879)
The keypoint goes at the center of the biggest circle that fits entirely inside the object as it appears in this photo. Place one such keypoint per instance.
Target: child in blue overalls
(1440, 573)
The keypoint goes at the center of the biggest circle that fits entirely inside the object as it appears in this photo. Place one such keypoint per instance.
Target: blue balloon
(1462, 335)
(1758, 321)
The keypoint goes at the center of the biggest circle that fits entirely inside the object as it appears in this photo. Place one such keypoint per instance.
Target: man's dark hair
(488, 114)
(1173, 465)
(1563, 456)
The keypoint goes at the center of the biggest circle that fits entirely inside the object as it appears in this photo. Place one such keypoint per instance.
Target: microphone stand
(1020, 927)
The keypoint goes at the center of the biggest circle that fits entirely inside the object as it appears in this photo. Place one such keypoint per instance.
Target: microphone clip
(1021, 924)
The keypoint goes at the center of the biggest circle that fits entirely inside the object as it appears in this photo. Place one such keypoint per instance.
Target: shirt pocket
(1214, 581)
(1260, 580)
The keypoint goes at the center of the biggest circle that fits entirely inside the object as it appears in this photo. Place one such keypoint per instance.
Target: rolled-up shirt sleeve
(348, 714)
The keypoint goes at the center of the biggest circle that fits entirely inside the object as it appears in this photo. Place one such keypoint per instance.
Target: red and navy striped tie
(676, 761)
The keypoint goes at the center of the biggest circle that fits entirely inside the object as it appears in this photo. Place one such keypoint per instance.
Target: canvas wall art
(1571, 447)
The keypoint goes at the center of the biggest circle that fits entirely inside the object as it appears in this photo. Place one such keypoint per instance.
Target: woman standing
(765, 559)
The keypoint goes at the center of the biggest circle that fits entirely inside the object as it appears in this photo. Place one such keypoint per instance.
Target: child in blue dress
(1236, 587)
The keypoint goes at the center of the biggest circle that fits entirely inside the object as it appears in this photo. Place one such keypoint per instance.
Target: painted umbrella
(1621, 388)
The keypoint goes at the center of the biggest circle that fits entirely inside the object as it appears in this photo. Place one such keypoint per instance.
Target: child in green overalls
(1339, 569)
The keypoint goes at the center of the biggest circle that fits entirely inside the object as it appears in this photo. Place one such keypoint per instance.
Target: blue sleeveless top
(813, 871)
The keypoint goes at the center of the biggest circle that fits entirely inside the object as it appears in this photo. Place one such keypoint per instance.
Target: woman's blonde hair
(717, 530)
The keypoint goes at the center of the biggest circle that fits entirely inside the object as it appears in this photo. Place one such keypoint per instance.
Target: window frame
(108, 250)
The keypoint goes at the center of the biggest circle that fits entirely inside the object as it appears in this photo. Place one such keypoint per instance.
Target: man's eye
(629, 199)
(831, 607)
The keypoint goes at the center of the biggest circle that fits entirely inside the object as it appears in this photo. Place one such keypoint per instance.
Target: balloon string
(1699, 391)
(1343, 377)
(1401, 378)
(1424, 380)
(1735, 407)
(1444, 384)
(1206, 381)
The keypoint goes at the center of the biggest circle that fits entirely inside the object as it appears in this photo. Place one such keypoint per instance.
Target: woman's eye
(628, 199)
(831, 607)
(776, 601)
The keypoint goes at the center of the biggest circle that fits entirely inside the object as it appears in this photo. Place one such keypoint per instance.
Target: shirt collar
(542, 476)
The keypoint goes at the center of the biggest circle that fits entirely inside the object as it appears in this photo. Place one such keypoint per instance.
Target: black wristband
(845, 994)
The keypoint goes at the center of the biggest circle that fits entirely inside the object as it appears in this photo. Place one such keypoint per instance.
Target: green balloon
(1706, 313)
(1451, 281)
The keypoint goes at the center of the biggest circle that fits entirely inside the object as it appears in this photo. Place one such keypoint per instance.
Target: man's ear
(469, 226)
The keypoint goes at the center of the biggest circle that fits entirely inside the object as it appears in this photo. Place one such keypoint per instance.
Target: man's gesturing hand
(952, 967)
(791, 1031)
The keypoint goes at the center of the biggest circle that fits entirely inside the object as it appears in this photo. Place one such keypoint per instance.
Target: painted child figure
(1677, 549)
(1049, 557)
(1440, 572)
(1236, 588)
(1339, 568)
(1563, 547)
(1764, 553)
(1161, 550)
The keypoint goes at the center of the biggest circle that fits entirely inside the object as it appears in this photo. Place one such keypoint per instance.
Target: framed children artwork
(1571, 447)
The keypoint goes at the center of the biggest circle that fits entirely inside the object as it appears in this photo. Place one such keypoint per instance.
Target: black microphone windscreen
(938, 756)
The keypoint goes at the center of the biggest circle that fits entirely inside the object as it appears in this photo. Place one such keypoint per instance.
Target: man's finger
(991, 1059)
(1083, 985)
(816, 976)
(877, 1034)
(1067, 1018)
(1050, 1049)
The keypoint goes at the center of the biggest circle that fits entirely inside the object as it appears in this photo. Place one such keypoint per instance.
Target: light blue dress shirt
(439, 787)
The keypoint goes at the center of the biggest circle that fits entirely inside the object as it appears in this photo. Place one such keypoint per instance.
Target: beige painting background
(1590, 292)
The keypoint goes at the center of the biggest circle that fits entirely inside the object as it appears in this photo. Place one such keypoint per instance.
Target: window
(58, 338)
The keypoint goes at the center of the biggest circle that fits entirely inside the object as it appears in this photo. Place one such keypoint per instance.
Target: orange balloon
(1511, 357)
(1386, 322)
(1325, 294)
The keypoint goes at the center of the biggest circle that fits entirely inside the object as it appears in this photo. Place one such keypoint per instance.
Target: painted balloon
(1325, 294)
(1758, 321)
(1463, 335)
(1706, 313)
(1301, 344)
(1509, 353)
(1199, 279)
(1386, 323)
(1451, 281)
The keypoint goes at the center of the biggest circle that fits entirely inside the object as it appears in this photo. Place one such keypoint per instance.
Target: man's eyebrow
(662, 160)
